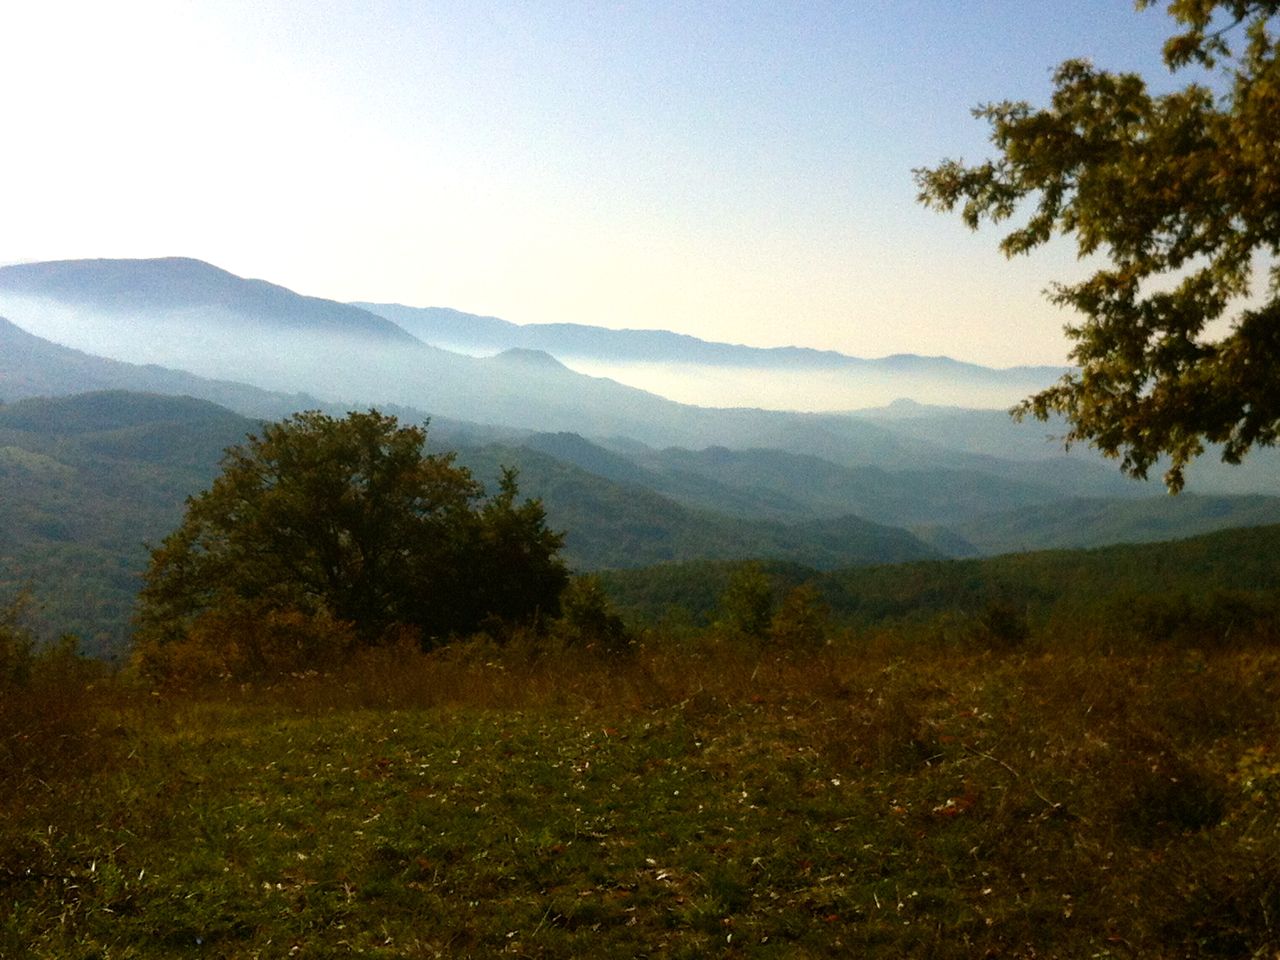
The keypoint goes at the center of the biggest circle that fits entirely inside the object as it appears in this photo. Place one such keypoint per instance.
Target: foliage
(802, 619)
(1181, 194)
(1203, 590)
(17, 643)
(746, 606)
(83, 481)
(346, 521)
(48, 712)
(86, 480)
(588, 620)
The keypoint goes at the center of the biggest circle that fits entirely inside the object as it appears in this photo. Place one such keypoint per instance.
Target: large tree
(349, 522)
(1178, 344)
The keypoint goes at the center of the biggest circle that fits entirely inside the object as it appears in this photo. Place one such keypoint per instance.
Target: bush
(16, 642)
(802, 619)
(587, 619)
(746, 606)
(243, 641)
(1211, 619)
(49, 723)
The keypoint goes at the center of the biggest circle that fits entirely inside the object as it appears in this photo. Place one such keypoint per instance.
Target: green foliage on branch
(1180, 193)
(343, 529)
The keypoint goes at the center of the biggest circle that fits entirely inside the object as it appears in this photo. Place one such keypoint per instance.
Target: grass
(692, 800)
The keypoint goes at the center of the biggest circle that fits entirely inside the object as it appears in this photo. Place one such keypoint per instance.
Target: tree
(347, 522)
(1181, 194)
(746, 606)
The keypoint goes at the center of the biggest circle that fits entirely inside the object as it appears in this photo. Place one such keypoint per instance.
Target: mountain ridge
(168, 283)
(449, 325)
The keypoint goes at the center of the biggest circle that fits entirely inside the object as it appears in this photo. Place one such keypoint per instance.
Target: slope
(31, 366)
(1095, 522)
(173, 284)
(86, 480)
(1196, 590)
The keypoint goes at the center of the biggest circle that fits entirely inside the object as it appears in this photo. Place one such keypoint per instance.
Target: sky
(735, 171)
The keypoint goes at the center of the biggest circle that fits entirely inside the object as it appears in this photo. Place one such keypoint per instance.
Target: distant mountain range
(469, 333)
(205, 321)
(691, 370)
(634, 478)
(189, 316)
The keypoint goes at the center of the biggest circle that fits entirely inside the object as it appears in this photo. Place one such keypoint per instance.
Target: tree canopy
(1180, 193)
(349, 522)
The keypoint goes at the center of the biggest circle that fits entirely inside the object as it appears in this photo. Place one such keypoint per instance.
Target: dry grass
(874, 797)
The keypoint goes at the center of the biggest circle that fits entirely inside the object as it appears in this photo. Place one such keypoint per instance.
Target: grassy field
(870, 798)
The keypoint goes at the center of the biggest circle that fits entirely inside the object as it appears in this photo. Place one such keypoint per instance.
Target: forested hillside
(87, 480)
(1201, 585)
(84, 483)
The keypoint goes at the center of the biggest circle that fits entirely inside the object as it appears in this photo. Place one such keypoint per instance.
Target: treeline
(1195, 589)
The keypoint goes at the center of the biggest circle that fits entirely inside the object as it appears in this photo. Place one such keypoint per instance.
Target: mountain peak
(530, 358)
(171, 284)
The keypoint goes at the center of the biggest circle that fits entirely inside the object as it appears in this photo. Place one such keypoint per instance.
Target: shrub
(802, 619)
(746, 606)
(587, 619)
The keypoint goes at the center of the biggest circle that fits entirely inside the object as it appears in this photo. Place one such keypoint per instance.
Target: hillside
(32, 366)
(1096, 522)
(85, 480)
(184, 315)
(150, 312)
(1197, 583)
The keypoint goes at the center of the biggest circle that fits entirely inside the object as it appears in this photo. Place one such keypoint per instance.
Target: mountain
(706, 373)
(101, 307)
(455, 330)
(1197, 590)
(131, 288)
(84, 481)
(31, 366)
(905, 464)
(201, 320)
(1100, 522)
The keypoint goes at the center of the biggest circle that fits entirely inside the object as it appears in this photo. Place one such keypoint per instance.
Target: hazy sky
(737, 171)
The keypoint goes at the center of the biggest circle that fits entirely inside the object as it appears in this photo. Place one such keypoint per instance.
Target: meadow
(880, 794)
